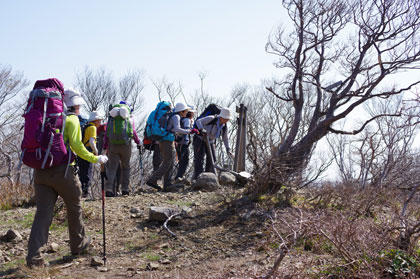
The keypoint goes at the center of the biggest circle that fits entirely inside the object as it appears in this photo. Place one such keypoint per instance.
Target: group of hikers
(54, 141)
(173, 145)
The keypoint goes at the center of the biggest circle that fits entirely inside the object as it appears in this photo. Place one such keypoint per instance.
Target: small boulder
(135, 210)
(11, 236)
(207, 182)
(96, 261)
(152, 266)
(52, 248)
(243, 177)
(135, 215)
(160, 214)
(102, 269)
(227, 178)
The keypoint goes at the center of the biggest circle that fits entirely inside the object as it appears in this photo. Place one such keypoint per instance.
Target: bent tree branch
(364, 44)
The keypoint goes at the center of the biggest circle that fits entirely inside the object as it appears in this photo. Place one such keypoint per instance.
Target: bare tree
(364, 42)
(269, 121)
(130, 88)
(409, 230)
(98, 88)
(11, 85)
(413, 105)
(380, 155)
(167, 89)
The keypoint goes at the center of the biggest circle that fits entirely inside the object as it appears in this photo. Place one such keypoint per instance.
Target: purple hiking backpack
(43, 143)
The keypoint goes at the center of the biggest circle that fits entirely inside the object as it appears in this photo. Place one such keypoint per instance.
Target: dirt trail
(213, 241)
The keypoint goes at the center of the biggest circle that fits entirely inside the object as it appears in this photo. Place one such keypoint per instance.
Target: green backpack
(119, 129)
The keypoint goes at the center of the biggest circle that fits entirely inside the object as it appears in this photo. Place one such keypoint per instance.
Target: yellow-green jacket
(73, 136)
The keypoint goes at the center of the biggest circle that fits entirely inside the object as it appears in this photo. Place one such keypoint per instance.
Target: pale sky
(176, 39)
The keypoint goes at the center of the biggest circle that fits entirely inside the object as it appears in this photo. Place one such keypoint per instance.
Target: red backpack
(43, 143)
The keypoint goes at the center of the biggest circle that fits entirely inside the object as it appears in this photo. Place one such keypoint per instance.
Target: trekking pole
(103, 177)
(141, 166)
(210, 151)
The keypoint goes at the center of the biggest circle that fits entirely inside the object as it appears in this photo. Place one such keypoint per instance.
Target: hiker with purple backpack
(50, 138)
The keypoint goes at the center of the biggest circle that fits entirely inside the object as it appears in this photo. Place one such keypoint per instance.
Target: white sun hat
(95, 115)
(180, 107)
(192, 108)
(224, 113)
(72, 98)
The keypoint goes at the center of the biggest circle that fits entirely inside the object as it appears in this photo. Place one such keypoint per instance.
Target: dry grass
(14, 195)
(354, 231)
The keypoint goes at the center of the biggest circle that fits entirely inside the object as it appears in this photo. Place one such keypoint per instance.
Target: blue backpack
(157, 123)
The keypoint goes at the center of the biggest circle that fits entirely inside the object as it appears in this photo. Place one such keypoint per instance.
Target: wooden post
(240, 150)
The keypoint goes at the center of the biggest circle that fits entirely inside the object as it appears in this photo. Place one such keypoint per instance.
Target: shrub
(15, 195)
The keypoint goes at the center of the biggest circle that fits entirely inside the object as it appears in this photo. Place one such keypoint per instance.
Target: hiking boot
(153, 185)
(109, 194)
(83, 248)
(125, 193)
(37, 262)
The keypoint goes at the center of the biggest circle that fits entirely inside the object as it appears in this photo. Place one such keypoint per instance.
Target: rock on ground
(11, 236)
(227, 178)
(207, 182)
(160, 214)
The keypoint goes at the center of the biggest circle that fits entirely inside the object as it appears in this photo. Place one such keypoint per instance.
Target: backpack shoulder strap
(84, 127)
(169, 119)
(214, 121)
(181, 123)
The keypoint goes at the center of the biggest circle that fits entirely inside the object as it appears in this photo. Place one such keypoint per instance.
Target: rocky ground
(215, 238)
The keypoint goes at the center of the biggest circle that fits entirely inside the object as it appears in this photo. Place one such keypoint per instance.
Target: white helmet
(95, 115)
(72, 98)
(224, 113)
(180, 107)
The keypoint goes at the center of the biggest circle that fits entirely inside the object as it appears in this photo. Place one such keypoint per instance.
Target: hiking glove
(194, 131)
(102, 159)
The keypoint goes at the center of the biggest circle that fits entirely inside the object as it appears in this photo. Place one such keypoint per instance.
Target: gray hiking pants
(117, 153)
(49, 184)
(167, 151)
